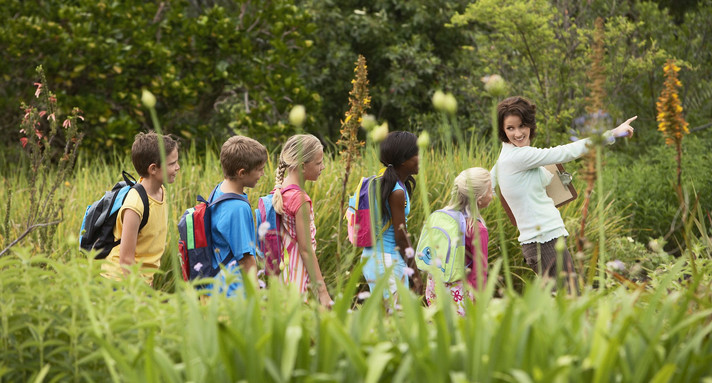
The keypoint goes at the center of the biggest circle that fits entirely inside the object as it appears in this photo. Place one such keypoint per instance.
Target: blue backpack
(270, 246)
(195, 246)
(97, 231)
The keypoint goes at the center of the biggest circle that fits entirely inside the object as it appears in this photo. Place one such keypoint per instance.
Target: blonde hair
(299, 149)
(240, 152)
(470, 184)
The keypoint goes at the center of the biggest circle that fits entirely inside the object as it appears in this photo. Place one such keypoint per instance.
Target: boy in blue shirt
(233, 227)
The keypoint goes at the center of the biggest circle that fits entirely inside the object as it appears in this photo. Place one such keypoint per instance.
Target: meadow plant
(349, 144)
(672, 123)
(594, 107)
(50, 167)
(593, 124)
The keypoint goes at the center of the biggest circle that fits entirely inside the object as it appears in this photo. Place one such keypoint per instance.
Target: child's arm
(307, 253)
(129, 236)
(397, 203)
(248, 263)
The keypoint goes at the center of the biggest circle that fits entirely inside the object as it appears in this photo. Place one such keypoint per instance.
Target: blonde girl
(471, 192)
(302, 160)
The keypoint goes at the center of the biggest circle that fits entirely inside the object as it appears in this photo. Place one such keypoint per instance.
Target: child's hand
(325, 299)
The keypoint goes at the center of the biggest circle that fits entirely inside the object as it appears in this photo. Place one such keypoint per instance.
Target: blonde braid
(277, 202)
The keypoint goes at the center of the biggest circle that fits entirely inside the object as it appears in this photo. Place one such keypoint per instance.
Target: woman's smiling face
(517, 133)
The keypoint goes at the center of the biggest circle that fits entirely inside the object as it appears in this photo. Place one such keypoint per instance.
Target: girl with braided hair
(302, 160)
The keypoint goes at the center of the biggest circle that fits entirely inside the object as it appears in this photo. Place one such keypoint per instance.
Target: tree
(216, 67)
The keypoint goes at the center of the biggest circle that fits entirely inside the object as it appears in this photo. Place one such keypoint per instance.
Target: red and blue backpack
(195, 246)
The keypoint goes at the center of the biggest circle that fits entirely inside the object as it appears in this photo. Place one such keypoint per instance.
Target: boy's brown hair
(240, 152)
(145, 151)
(520, 107)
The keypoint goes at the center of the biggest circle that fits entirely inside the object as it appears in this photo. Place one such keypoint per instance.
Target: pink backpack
(270, 246)
(359, 213)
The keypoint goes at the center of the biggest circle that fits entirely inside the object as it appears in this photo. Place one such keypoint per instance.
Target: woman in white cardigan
(522, 180)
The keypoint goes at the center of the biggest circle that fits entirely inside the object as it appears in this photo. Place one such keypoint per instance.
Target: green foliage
(508, 39)
(645, 191)
(50, 151)
(215, 68)
(223, 67)
(95, 329)
(409, 51)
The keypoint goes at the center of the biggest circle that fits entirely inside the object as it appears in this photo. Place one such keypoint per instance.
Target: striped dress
(295, 270)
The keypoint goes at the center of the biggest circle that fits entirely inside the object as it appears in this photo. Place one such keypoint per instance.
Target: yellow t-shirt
(151, 241)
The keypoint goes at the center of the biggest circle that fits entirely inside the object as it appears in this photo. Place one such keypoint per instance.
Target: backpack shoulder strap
(291, 187)
(144, 198)
(228, 196)
(224, 197)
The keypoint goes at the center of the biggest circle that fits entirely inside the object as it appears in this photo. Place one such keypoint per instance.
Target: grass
(200, 173)
(94, 329)
(60, 320)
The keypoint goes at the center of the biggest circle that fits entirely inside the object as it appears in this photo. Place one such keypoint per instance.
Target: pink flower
(39, 89)
(67, 123)
(80, 117)
(52, 117)
(23, 141)
(409, 252)
(38, 134)
(408, 271)
(198, 266)
(42, 113)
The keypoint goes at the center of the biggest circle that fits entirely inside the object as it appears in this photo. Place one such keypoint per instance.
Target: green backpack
(441, 246)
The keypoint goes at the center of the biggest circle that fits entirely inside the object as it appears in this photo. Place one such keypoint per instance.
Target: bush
(643, 186)
(215, 69)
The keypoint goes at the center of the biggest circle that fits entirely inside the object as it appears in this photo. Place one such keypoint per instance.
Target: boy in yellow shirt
(147, 245)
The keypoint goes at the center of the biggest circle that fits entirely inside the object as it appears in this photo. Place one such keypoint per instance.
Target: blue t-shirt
(389, 237)
(376, 264)
(233, 230)
(233, 227)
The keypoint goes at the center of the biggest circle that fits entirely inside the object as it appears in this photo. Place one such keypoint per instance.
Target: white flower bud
(369, 122)
(423, 140)
(439, 100)
(495, 85)
(262, 230)
(379, 133)
(148, 99)
(297, 115)
(450, 103)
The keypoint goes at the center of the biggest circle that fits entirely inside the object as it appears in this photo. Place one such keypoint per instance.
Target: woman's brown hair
(520, 107)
